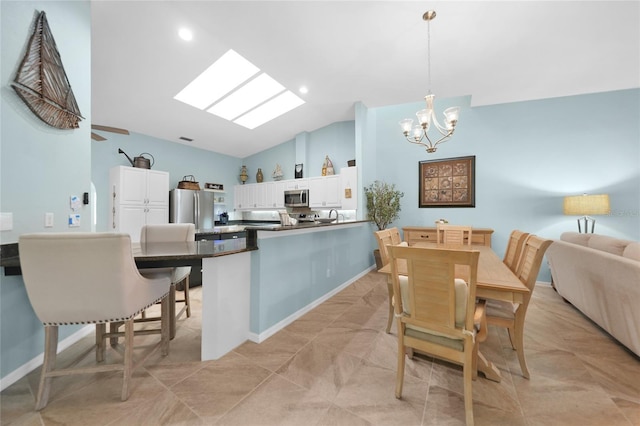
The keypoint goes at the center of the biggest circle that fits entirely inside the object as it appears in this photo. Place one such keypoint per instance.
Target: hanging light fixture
(426, 117)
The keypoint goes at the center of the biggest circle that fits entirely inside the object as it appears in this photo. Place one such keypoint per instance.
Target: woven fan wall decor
(42, 83)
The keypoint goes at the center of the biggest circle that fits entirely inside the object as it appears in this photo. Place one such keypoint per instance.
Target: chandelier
(426, 117)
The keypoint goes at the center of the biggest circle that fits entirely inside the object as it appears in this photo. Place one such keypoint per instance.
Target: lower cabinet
(412, 235)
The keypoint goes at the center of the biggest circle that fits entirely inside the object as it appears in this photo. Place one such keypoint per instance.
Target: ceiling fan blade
(97, 137)
(110, 129)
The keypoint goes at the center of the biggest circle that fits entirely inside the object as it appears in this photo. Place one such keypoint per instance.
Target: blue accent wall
(41, 167)
(529, 155)
(291, 271)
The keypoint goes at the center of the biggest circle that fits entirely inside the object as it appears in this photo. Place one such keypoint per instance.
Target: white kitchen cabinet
(259, 196)
(244, 196)
(293, 184)
(348, 191)
(274, 195)
(323, 192)
(138, 197)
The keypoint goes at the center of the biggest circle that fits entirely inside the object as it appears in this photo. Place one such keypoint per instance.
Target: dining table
(494, 281)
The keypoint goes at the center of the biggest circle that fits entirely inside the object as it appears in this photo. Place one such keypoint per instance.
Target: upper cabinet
(138, 197)
(323, 192)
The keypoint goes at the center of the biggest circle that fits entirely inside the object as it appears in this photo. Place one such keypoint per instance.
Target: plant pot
(378, 258)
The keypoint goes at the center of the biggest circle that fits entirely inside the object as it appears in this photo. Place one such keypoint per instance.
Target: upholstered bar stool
(172, 232)
(89, 278)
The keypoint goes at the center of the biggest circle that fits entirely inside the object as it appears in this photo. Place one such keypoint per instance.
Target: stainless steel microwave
(296, 198)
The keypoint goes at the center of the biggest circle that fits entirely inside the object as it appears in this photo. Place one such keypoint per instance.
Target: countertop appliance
(224, 218)
(296, 198)
(192, 206)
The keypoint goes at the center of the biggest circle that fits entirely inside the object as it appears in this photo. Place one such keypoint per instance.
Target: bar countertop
(176, 254)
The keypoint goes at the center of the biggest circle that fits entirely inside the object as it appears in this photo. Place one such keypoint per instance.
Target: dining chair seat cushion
(461, 297)
(501, 309)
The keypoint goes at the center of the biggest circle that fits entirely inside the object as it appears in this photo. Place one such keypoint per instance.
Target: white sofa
(600, 276)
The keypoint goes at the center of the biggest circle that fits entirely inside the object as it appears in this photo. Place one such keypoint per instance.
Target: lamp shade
(579, 205)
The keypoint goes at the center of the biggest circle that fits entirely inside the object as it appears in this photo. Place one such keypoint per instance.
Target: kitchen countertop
(299, 225)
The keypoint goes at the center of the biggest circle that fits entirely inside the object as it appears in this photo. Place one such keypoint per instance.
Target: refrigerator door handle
(196, 210)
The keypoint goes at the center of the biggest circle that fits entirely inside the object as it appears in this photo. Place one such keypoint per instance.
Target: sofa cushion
(608, 244)
(576, 238)
(632, 251)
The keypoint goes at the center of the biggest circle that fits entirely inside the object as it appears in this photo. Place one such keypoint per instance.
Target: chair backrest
(531, 259)
(514, 249)
(167, 233)
(76, 278)
(432, 293)
(453, 234)
(387, 237)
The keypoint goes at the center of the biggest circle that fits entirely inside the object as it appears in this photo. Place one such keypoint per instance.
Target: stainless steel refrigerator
(191, 206)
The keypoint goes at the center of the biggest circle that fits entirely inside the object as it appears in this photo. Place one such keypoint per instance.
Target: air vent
(186, 139)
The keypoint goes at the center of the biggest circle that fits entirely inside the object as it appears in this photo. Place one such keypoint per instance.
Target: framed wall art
(449, 182)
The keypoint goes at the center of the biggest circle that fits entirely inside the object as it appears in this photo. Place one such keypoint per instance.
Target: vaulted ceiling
(374, 52)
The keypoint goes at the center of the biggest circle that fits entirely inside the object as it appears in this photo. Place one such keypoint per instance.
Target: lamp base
(586, 220)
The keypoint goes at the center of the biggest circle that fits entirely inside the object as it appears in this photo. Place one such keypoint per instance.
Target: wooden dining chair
(435, 311)
(514, 249)
(387, 237)
(512, 315)
(453, 234)
(89, 278)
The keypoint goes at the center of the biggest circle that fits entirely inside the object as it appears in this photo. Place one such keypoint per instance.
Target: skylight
(234, 89)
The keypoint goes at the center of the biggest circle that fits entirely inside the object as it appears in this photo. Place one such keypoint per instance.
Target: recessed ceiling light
(304, 90)
(185, 34)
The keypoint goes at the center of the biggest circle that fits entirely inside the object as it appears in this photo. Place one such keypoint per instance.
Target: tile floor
(336, 366)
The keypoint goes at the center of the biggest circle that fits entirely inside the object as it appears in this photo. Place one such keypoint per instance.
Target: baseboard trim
(261, 337)
(36, 362)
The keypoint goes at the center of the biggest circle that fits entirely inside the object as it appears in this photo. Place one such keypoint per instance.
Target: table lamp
(586, 205)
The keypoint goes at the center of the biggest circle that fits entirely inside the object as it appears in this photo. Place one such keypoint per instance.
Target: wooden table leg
(490, 371)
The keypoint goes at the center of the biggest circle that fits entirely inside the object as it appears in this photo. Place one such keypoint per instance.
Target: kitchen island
(298, 267)
(256, 286)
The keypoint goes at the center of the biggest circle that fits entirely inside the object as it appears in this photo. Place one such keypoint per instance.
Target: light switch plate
(48, 220)
(6, 221)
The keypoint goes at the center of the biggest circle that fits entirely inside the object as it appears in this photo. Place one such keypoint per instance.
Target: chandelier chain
(429, 55)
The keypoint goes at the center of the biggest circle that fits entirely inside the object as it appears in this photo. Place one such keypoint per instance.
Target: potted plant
(383, 207)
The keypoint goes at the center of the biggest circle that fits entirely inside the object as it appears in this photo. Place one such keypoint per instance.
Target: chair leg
(519, 342)
(50, 350)
(172, 311)
(101, 348)
(400, 372)
(128, 359)
(165, 321)
(186, 296)
(113, 328)
(511, 332)
(467, 373)
(390, 320)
